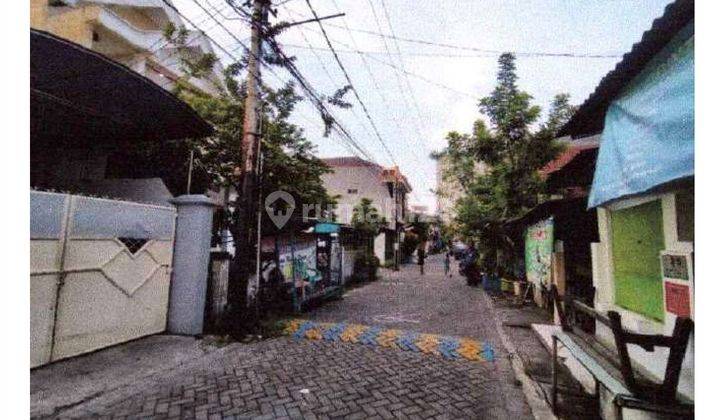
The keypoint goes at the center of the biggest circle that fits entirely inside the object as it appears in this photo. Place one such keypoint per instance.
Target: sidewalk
(573, 402)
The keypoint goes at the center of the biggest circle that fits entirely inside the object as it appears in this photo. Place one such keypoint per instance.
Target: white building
(448, 190)
(353, 179)
(132, 33)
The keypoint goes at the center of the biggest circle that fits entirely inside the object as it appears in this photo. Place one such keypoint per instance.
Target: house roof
(349, 161)
(80, 95)
(590, 117)
(572, 150)
(394, 175)
(546, 209)
(386, 174)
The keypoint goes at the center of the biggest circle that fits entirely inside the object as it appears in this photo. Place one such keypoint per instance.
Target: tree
(289, 162)
(368, 223)
(366, 219)
(512, 151)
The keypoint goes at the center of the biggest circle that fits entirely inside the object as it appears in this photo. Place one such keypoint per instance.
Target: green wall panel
(637, 239)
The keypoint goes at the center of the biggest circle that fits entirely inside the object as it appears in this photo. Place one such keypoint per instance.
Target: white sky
(607, 27)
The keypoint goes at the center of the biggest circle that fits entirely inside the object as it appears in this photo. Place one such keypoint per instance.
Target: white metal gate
(100, 273)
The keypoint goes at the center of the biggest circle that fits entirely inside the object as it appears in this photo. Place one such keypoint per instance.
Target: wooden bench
(629, 386)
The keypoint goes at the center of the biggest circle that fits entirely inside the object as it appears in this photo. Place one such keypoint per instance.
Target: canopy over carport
(79, 96)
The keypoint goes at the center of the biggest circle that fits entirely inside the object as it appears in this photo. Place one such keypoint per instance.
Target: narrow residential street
(300, 378)
(220, 193)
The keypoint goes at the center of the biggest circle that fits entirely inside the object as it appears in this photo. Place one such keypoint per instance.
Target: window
(352, 191)
(637, 239)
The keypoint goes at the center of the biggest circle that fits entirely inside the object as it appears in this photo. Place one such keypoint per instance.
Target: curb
(533, 394)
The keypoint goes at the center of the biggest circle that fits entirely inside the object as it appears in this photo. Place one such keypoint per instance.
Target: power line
(347, 77)
(156, 47)
(403, 94)
(482, 50)
(327, 73)
(315, 98)
(344, 135)
(370, 56)
(402, 62)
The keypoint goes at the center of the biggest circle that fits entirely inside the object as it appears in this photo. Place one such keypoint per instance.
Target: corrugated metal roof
(573, 149)
(81, 95)
(590, 117)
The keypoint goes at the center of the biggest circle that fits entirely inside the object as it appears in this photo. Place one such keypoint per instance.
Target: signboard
(675, 267)
(538, 251)
(677, 299)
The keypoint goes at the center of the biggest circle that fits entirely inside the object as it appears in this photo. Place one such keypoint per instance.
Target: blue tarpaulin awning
(327, 227)
(649, 132)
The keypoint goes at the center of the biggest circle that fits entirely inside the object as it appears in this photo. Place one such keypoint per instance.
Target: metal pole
(190, 168)
(553, 402)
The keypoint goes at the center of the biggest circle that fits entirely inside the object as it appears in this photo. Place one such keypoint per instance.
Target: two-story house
(353, 179)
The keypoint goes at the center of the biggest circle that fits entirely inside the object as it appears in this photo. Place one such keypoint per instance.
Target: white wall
(603, 280)
(368, 183)
(379, 248)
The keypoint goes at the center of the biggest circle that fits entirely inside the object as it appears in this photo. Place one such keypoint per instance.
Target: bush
(409, 245)
(366, 267)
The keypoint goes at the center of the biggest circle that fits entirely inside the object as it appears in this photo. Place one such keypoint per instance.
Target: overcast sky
(440, 86)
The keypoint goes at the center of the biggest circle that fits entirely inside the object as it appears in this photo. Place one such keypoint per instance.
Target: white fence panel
(100, 273)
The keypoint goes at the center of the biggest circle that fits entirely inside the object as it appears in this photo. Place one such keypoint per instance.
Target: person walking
(447, 263)
(421, 259)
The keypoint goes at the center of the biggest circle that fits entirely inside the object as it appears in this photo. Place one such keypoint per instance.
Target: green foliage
(420, 228)
(365, 268)
(512, 152)
(366, 218)
(409, 244)
(367, 222)
(289, 161)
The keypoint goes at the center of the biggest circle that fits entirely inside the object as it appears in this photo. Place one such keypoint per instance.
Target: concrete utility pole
(249, 148)
(396, 244)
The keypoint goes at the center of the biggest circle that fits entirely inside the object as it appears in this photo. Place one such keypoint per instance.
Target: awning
(78, 95)
(590, 117)
(649, 134)
(327, 227)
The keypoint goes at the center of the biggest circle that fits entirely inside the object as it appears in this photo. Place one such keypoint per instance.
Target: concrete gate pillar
(191, 257)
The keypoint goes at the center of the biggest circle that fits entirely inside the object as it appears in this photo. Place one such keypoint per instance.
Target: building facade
(353, 179)
(131, 32)
(447, 191)
(643, 189)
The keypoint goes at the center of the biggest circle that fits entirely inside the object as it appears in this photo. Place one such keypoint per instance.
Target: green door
(637, 239)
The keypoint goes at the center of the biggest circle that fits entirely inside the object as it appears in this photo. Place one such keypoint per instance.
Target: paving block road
(291, 378)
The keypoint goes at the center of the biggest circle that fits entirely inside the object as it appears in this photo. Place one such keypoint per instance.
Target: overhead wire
(483, 50)
(332, 79)
(352, 86)
(314, 96)
(403, 94)
(344, 134)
